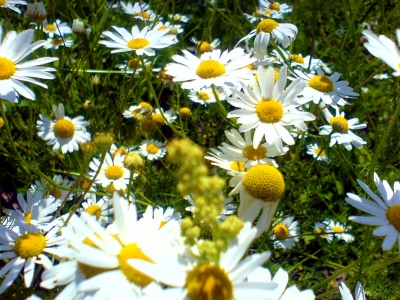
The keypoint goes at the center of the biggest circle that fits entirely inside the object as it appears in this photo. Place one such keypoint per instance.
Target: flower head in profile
(384, 210)
(57, 28)
(13, 49)
(11, 4)
(269, 107)
(385, 49)
(64, 132)
(212, 68)
(339, 129)
(142, 42)
(139, 11)
(275, 9)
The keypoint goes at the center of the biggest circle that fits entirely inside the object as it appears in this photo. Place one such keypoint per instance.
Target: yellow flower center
(256, 14)
(84, 184)
(56, 193)
(138, 43)
(94, 210)
(238, 166)
(7, 68)
(114, 172)
(269, 111)
(143, 14)
(393, 216)
(204, 96)
(208, 282)
(57, 41)
(254, 154)
(320, 231)
(30, 245)
(297, 58)
(338, 229)
(210, 69)
(339, 124)
(318, 151)
(266, 25)
(64, 128)
(158, 119)
(50, 27)
(120, 151)
(133, 251)
(134, 64)
(111, 189)
(275, 6)
(321, 83)
(146, 106)
(267, 11)
(204, 47)
(163, 27)
(28, 218)
(87, 270)
(152, 148)
(281, 231)
(264, 182)
(149, 126)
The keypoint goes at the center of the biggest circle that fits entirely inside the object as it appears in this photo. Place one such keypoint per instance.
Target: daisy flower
(64, 132)
(256, 16)
(160, 116)
(268, 107)
(276, 9)
(382, 76)
(329, 89)
(138, 11)
(315, 151)
(112, 171)
(346, 294)
(46, 189)
(142, 108)
(135, 66)
(211, 68)
(114, 149)
(338, 230)
(204, 47)
(13, 49)
(285, 233)
(243, 150)
(205, 95)
(297, 60)
(56, 28)
(55, 42)
(225, 279)
(99, 208)
(152, 149)
(339, 130)
(320, 228)
(27, 249)
(384, 209)
(173, 29)
(385, 49)
(180, 18)
(11, 4)
(142, 42)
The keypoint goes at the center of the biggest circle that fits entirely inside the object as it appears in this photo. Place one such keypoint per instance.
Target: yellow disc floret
(267, 25)
(133, 275)
(209, 282)
(138, 43)
(56, 193)
(30, 245)
(7, 68)
(264, 182)
(134, 64)
(393, 216)
(339, 124)
(114, 172)
(275, 6)
(297, 58)
(321, 83)
(204, 47)
(152, 148)
(210, 69)
(50, 27)
(158, 119)
(120, 151)
(238, 166)
(204, 96)
(269, 111)
(94, 210)
(281, 231)
(64, 128)
(254, 154)
(337, 229)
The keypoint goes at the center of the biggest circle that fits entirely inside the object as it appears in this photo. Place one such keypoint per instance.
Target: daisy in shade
(152, 149)
(46, 189)
(205, 95)
(204, 47)
(26, 249)
(139, 11)
(329, 89)
(339, 130)
(385, 210)
(275, 8)
(211, 68)
(63, 132)
(13, 49)
(269, 107)
(321, 229)
(315, 151)
(142, 42)
(173, 29)
(180, 18)
(56, 28)
(160, 116)
(285, 233)
(346, 294)
(224, 279)
(385, 49)
(297, 60)
(11, 4)
(112, 171)
(54, 43)
(339, 230)
(101, 208)
(243, 150)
